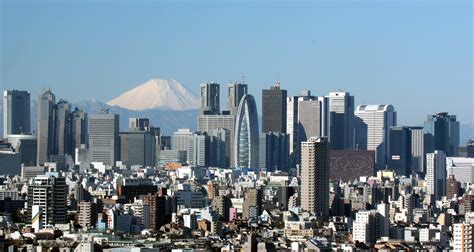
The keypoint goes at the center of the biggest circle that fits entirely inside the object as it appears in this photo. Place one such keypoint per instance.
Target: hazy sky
(417, 56)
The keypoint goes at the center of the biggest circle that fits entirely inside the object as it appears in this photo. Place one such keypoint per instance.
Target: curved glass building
(246, 134)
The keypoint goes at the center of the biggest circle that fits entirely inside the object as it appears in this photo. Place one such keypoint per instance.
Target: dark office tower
(453, 187)
(16, 112)
(220, 137)
(48, 194)
(45, 126)
(235, 93)
(273, 152)
(246, 134)
(442, 131)
(63, 140)
(470, 149)
(341, 117)
(104, 141)
(79, 128)
(137, 147)
(399, 151)
(161, 208)
(274, 109)
(210, 99)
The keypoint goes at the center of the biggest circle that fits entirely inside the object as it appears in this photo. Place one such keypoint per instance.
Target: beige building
(315, 176)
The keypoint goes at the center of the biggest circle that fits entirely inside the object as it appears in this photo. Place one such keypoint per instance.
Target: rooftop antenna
(277, 81)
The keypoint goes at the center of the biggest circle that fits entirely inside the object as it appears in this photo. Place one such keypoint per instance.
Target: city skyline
(374, 51)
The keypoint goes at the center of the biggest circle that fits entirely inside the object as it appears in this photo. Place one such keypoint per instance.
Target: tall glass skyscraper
(341, 116)
(274, 109)
(246, 134)
(442, 133)
(16, 112)
(45, 126)
(235, 93)
(210, 99)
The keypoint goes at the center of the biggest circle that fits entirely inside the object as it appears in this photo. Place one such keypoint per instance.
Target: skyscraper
(292, 127)
(246, 134)
(104, 139)
(274, 109)
(341, 116)
(235, 93)
(16, 112)
(315, 163)
(400, 153)
(417, 149)
(180, 139)
(137, 147)
(273, 151)
(372, 125)
(209, 123)
(198, 150)
(292, 124)
(49, 194)
(79, 128)
(210, 99)
(436, 174)
(309, 119)
(220, 138)
(442, 130)
(63, 140)
(45, 126)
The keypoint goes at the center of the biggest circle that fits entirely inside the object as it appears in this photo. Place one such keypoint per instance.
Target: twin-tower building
(239, 122)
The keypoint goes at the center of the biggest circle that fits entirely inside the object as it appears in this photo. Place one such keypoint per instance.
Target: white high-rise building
(436, 174)
(463, 237)
(462, 168)
(104, 138)
(372, 125)
(198, 147)
(181, 139)
(417, 149)
(364, 228)
(315, 156)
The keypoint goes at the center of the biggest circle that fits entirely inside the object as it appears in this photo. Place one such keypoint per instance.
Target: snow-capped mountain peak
(165, 94)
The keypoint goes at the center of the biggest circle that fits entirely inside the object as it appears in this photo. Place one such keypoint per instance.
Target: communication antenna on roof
(277, 83)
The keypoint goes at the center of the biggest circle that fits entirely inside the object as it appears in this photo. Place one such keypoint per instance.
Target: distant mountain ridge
(168, 120)
(165, 94)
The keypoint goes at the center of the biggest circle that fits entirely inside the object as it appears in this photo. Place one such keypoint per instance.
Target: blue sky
(416, 55)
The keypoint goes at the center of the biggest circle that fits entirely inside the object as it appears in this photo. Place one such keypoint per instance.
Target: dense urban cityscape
(318, 174)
